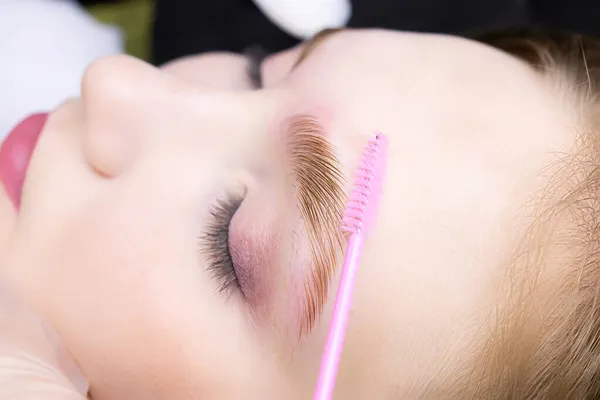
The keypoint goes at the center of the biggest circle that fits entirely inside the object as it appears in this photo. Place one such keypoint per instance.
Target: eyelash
(255, 55)
(215, 244)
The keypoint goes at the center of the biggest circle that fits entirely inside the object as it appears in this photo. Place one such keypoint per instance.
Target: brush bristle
(364, 196)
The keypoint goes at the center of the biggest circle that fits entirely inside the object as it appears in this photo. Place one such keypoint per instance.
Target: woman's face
(163, 227)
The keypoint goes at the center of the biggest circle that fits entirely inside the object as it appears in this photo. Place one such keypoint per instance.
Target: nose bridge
(228, 116)
(111, 83)
(217, 129)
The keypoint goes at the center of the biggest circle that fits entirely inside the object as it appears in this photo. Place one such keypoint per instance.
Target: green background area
(134, 17)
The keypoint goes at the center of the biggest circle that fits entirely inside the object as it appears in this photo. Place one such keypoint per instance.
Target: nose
(133, 108)
(116, 91)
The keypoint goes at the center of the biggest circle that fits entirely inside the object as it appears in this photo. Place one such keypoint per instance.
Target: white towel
(45, 46)
(304, 18)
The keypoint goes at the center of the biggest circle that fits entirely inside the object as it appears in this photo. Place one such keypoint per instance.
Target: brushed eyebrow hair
(320, 196)
(314, 42)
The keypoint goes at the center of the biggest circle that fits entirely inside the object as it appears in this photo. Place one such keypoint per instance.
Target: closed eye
(255, 56)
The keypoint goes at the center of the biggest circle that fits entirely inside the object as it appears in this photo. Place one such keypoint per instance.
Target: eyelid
(291, 234)
(309, 46)
(276, 67)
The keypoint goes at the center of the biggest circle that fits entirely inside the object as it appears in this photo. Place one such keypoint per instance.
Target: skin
(105, 245)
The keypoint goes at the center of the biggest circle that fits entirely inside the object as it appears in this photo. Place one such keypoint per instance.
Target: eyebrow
(320, 198)
(314, 42)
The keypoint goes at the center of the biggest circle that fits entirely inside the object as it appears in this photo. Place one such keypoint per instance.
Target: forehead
(429, 83)
(397, 59)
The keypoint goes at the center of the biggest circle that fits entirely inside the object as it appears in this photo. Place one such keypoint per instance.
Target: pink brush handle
(341, 312)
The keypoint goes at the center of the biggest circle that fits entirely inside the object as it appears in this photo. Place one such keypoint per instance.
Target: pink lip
(16, 152)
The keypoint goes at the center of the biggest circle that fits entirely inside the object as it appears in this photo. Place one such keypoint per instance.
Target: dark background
(184, 27)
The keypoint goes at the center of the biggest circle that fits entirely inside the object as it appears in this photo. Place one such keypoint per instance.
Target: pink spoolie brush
(358, 218)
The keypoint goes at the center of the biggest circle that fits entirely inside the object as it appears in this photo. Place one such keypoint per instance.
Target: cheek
(125, 287)
(7, 218)
(128, 301)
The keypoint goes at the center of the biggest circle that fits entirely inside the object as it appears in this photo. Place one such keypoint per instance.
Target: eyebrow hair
(314, 42)
(320, 197)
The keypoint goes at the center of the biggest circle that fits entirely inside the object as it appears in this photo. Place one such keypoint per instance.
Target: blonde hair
(545, 342)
